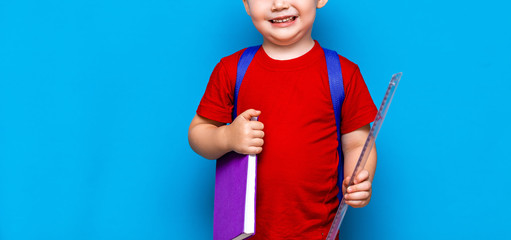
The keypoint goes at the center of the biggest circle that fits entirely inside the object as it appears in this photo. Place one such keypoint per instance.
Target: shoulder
(229, 63)
(351, 75)
(348, 66)
(350, 72)
(224, 73)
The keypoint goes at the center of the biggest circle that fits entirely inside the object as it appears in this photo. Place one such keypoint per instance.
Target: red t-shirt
(297, 169)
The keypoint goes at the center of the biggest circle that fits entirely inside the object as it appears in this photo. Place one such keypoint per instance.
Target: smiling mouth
(283, 20)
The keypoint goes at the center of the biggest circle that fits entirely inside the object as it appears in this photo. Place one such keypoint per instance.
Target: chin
(284, 41)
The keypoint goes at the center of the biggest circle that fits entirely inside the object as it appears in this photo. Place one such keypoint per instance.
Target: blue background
(96, 98)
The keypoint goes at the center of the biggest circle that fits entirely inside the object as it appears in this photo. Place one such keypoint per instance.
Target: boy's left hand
(359, 194)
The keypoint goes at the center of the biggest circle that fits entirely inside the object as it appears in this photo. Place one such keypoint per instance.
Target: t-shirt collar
(305, 60)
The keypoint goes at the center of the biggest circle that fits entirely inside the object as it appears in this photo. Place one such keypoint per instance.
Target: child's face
(283, 22)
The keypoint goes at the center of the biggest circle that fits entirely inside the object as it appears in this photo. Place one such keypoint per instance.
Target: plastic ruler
(382, 112)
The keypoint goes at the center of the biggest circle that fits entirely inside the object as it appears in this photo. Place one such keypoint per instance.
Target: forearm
(351, 157)
(208, 140)
(352, 145)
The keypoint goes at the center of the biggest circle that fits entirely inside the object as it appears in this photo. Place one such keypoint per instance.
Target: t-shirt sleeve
(217, 102)
(358, 108)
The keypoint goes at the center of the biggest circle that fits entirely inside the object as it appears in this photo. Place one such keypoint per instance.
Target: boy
(286, 87)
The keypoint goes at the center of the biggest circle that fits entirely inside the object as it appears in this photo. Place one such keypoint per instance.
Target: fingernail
(349, 189)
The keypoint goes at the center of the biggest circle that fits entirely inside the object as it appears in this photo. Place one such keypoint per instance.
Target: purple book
(235, 186)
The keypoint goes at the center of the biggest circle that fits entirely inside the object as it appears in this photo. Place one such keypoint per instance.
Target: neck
(286, 52)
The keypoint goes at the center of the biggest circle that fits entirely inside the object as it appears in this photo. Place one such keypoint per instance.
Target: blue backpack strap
(337, 93)
(245, 59)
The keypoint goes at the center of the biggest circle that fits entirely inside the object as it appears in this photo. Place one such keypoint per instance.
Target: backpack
(336, 91)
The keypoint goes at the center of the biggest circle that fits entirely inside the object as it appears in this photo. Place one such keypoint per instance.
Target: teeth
(283, 20)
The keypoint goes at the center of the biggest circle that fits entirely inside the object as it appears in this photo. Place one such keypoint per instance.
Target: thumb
(346, 181)
(345, 184)
(248, 114)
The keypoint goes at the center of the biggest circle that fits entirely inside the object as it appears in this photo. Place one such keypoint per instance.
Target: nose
(279, 5)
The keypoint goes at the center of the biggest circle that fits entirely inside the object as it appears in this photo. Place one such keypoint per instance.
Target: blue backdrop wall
(96, 98)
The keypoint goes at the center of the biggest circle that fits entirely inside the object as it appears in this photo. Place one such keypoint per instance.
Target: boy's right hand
(245, 136)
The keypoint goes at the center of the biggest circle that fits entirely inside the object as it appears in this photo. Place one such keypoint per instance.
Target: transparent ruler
(384, 107)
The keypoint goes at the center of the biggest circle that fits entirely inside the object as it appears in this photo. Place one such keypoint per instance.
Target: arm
(359, 194)
(207, 137)
(212, 139)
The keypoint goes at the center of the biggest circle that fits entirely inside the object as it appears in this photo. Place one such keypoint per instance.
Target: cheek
(309, 16)
(260, 26)
(257, 11)
(258, 18)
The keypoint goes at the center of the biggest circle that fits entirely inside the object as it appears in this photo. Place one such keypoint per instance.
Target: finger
(258, 134)
(256, 142)
(346, 181)
(248, 114)
(254, 150)
(363, 186)
(345, 184)
(343, 187)
(256, 125)
(357, 203)
(361, 176)
(365, 195)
